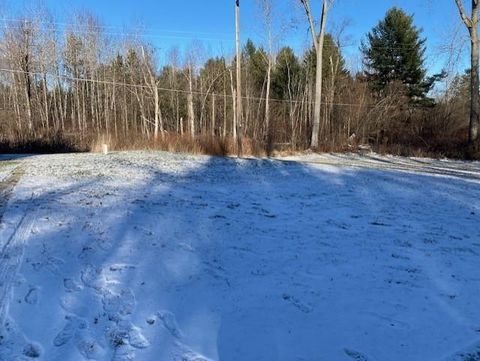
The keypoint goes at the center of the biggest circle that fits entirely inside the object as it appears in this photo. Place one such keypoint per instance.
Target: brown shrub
(42, 143)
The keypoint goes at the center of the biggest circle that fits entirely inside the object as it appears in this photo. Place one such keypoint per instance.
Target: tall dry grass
(216, 146)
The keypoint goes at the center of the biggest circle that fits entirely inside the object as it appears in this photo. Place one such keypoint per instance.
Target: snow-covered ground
(159, 257)
(6, 167)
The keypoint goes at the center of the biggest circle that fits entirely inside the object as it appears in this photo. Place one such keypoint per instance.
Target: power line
(118, 31)
(152, 36)
(98, 26)
(182, 91)
(86, 29)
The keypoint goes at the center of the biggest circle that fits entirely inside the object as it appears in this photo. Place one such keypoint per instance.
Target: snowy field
(160, 257)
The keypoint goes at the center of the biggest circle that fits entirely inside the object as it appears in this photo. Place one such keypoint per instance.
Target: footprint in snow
(354, 355)
(117, 336)
(32, 296)
(68, 332)
(170, 323)
(297, 303)
(50, 263)
(90, 348)
(117, 306)
(19, 280)
(92, 277)
(32, 350)
(124, 352)
(71, 285)
(137, 339)
(126, 333)
(193, 356)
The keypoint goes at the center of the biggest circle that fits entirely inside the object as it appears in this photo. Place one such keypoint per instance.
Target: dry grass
(216, 146)
(438, 145)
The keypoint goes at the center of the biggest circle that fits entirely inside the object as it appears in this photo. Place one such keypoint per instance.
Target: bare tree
(472, 25)
(234, 107)
(318, 44)
(239, 78)
(191, 112)
(19, 47)
(151, 79)
(266, 7)
(174, 98)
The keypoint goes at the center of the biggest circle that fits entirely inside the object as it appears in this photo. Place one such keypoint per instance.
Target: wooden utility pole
(472, 26)
(239, 81)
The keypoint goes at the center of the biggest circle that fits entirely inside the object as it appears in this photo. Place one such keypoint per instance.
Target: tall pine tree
(395, 52)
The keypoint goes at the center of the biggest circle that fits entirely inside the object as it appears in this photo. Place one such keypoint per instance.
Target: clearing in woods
(157, 256)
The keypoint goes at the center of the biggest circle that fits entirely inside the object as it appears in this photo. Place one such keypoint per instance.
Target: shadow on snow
(246, 260)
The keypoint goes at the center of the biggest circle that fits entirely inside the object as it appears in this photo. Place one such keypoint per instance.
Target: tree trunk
(191, 113)
(213, 115)
(157, 110)
(472, 26)
(234, 108)
(475, 81)
(224, 107)
(28, 93)
(267, 98)
(319, 78)
(46, 105)
(239, 80)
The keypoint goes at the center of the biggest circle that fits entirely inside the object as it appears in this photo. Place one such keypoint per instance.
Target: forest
(76, 87)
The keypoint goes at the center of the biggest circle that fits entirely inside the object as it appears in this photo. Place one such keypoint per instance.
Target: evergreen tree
(255, 67)
(395, 52)
(287, 73)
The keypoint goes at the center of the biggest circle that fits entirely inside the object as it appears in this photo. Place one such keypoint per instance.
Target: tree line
(80, 83)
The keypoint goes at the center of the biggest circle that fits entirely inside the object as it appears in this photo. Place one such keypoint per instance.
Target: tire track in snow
(11, 257)
(12, 250)
(427, 169)
(7, 186)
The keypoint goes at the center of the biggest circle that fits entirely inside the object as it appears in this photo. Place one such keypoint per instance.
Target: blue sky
(180, 22)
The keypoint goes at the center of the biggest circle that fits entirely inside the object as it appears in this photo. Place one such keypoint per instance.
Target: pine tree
(255, 65)
(287, 73)
(394, 53)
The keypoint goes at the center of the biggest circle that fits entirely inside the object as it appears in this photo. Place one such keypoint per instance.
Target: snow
(5, 169)
(155, 256)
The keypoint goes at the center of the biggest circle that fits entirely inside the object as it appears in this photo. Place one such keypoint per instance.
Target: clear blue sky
(179, 22)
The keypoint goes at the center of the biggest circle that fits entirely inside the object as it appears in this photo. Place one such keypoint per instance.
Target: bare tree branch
(308, 12)
(463, 14)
